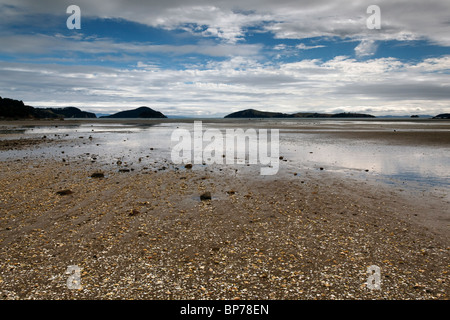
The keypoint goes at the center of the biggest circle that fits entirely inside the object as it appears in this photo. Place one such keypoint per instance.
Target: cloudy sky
(210, 58)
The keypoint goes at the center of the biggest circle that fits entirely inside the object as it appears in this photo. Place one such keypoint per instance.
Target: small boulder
(98, 175)
(64, 192)
(133, 212)
(205, 196)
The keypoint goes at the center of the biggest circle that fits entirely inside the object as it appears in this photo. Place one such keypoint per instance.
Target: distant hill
(16, 109)
(311, 115)
(71, 112)
(251, 113)
(351, 115)
(442, 116)
(142, 112)
(412, 116)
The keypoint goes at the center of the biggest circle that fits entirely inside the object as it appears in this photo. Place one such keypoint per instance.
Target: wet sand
(389, 131)
(145, 234)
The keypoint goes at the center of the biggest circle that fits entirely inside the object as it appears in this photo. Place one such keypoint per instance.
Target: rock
(98, 175)
(231, 192)
(205, 196)
(64, 192)
(124, 170)
(188, 166)
(134, 212)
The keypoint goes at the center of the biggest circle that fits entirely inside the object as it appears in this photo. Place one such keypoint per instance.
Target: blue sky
(211, 58)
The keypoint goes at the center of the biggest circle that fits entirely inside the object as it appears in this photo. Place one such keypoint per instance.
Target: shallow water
(150, 145)
(424, 164)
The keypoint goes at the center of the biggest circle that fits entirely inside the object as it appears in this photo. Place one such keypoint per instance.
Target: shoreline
(71, 121)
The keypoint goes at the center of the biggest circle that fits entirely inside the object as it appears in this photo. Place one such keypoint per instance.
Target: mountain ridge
(141, 112)
(252, 113)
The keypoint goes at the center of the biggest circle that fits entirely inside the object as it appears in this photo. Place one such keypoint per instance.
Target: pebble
(205, 196)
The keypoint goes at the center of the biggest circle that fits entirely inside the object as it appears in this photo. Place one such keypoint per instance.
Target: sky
(201, 58)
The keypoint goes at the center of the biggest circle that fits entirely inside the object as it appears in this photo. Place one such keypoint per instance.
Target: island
(16, 109)
(72, 112)
(251, 113)
(11, 109)
(141, 112)
(442, 116)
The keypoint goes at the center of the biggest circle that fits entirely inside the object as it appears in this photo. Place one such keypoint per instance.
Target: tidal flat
(104, 195)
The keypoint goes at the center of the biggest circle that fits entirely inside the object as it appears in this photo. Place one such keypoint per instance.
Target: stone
(134, 212)
(98, 175)
(205, 196)
(64, 192)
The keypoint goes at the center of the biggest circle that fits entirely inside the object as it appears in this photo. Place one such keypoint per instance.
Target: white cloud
(280, 47)
(293, 19)
(366, 48)
(383, 85)
(46, 44)
(302, 46)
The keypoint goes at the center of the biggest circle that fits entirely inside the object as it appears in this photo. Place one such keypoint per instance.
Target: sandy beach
(140, 231)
